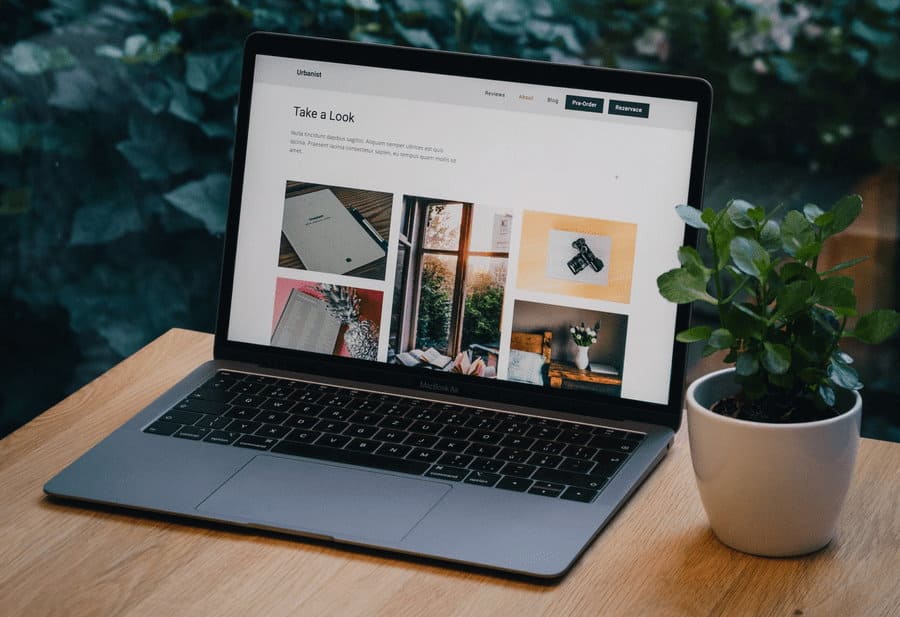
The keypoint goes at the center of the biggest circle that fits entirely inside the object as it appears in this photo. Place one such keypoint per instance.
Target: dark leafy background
(116, 123)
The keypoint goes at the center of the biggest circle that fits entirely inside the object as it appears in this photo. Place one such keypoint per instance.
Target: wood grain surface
(657, 557)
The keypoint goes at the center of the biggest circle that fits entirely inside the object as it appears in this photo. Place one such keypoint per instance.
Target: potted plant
(584, 336)
(773, 439)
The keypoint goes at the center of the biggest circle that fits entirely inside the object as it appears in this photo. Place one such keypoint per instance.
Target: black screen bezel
(464, 65)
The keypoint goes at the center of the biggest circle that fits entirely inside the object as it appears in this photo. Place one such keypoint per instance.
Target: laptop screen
(500, 230)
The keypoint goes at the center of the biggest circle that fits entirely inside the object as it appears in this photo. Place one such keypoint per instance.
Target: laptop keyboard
(407, 435)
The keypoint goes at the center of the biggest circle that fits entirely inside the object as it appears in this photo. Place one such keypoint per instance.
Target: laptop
(489, 391)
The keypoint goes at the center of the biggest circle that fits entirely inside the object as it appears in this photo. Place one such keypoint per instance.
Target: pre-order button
(584, 103)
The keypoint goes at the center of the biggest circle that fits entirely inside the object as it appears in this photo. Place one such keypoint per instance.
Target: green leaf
(812, 212)
(28, 58)
(742, 79)
(721, 232)
(795, 271)
(692, 335)
(770, 236)
(873, 36)
(720, 338)
(877, 326)
(798, 236)
(843, 375)
(738, 211)
(205, 200)
(811, 375)
(845, 264)
(216, 74)
(793, 298)
(155, 150)
(691, 216)
(845, 212)
(836, 292)
(104, 222)
(183, 104)
(826, 395)
(681, 286)
(750, 257)
(691, 260)
(747, 364)
(743, 322)
(776, 358)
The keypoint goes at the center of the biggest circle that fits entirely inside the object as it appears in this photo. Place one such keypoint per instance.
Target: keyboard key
(261, 379)
(579, 452)
(514, 427)
(303, 435)
(578, 438)
(211, 394)
(549, 447)
(391, 435)
(272, 417)
(446, 472)
(278, 404)
(305, 422)
(429, 428)
(613, 433)
(272, 431)
(520, 485)
(255, 442)
(277, 391)
(455, 432)
(483, 423)
(161, 427)
(242, 413)
(213, 422)
(550, 486)
(576, 464)
(423, 415)
(181, 417)
(363, 445)
(482, 478)
(516, 441)
(366, 417)
(393, 449)
(307, 409)
(541, 431)
(360, 430)
(455, 417)
(421, 441)
(248, 400)
(220, 382)
(545, 460)
(245, 388)
(635, 437)
(573, 493)
(518, 469)
(351, 457)
(336, 413)
(486, 437)
(221, 437)
(401, 424)
(486, 464)
(609, 459)
(455, 459)
(424, 455)
(243, 426)
(516, 456)
(198, 406)
(192, 432)
(567, 477)
(480, 449)
(332, 441)
(544, 492)
(615, 445)
(331, 426)
(452, 445)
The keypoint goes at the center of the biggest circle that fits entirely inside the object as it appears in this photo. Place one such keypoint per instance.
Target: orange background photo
(532, 274)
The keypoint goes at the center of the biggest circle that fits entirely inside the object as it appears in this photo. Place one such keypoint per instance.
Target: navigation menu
(629, 108)
(584, 103)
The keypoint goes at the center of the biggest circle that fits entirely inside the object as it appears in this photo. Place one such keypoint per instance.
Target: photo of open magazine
(333, 230)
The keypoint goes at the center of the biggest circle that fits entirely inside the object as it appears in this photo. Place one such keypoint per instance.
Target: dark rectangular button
(486, 464)
(573, 493)
(544, 492)
(192, 432)
(211, 394)
(584, 103)
(425, 455)
(255, 442)
(332, 441)
(273, 431)
(518, 470)
(482, 478)
(363, 445)
(628, 108)
(520, 485)
(446, 472)
(161, 427)
(567, 477)
(248, 400)
(214, 422)
(393, 449)
(303, 435)
(199, 406)
(351, 457)
(181, 417)
(222, 437)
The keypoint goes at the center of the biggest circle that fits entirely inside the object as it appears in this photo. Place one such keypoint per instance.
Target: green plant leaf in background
(206, 200)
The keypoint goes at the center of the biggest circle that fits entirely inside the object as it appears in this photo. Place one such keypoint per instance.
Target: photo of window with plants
(448, 292)
(334, 229)
(567, 347)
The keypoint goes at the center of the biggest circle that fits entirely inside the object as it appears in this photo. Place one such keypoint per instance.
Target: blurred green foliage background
(116, 123)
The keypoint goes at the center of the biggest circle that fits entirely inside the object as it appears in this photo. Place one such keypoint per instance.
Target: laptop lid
(483, 227)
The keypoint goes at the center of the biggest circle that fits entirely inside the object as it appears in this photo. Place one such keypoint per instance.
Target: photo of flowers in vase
(584, 336)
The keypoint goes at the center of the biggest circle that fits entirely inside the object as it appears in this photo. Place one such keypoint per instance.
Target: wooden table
(562, 373)
(656, 558)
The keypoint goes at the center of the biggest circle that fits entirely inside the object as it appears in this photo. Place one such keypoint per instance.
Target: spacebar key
(350, 457)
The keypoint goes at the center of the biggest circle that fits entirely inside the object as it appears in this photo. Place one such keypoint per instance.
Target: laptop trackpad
(324, 499)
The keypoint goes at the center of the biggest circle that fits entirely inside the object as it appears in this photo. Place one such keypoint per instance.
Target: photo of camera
(584, 258)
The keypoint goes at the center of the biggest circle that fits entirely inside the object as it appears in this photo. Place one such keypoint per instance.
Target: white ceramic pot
(770, 489)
